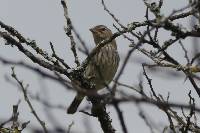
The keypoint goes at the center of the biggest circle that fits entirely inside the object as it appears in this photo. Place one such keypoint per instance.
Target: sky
(43, 21)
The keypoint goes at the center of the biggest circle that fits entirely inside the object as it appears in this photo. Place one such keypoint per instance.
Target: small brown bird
(102, 67)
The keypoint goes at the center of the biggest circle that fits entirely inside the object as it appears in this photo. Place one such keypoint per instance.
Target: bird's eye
(103, 29)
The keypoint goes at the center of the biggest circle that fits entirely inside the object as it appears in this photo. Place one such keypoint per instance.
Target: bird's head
(100, 33)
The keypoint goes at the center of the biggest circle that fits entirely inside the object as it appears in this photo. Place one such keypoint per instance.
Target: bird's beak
(92, 30)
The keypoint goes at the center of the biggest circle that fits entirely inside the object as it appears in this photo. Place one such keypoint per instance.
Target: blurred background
(43, 21)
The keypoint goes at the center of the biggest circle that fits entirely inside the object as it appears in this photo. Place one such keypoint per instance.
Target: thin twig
(68, 31)
(24, 90)
(121, 117)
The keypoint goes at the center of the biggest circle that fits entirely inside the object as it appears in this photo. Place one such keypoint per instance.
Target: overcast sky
(43, 21)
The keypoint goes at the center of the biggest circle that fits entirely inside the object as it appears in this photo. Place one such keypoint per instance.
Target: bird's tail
(75, 103)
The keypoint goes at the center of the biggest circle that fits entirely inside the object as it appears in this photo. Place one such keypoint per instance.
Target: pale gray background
(43, 21)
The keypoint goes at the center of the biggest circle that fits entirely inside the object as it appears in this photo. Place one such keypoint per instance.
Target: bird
(102, 67)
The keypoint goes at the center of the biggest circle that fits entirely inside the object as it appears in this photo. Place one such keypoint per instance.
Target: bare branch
(24, 90)
(68, 31)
